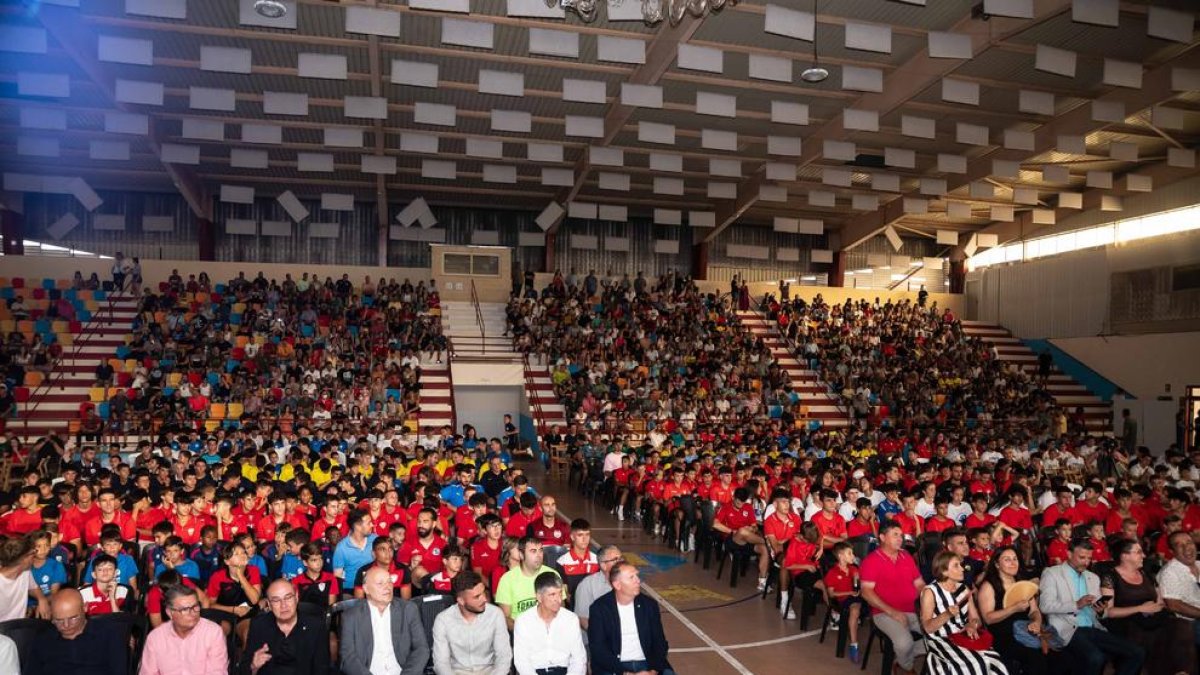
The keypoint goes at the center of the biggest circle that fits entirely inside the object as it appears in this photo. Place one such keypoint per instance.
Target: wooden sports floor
(712, 628)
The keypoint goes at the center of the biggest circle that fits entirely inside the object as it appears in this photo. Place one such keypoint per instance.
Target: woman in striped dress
(957, 643)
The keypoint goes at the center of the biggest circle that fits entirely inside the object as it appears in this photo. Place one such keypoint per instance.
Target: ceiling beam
(906, 82)
(660, 54)
(65, 26)
(1156, 88)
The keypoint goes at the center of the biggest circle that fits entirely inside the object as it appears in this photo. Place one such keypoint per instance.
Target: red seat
(21, 394)
(39, 294)
(18, 282)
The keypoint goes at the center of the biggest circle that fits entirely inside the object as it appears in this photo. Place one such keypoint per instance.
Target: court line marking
(712, 644)
(749, 645)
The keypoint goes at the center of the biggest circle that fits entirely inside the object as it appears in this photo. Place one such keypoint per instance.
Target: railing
(539, 416)
(479, 318)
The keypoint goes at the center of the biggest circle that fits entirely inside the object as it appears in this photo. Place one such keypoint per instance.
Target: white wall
(488, 374)
(1143, 365)
(484, 407)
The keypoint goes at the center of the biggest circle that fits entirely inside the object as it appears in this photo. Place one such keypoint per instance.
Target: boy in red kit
(1016, 515)
(423, 553)
(864, 524)
(780, 528)
(841, 587)
(485, 552)
(1060, 546)
(1090, 508)
(737, 520)
(800, 566)
(979, 513)
(518, 524)
(910, 523)
(465, 516)
(621, 481)
(579, 561)
(828, 521)
(315, 585)
(1100, 551)
(940, 521)
(981, 544)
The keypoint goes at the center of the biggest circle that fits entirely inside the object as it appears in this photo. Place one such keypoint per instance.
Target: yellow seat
(260, 340)
(211, 425)
(59, 326)
(3, 282)
(236, 410)
(7, 325)
(173, 379)
(96, 394)
(84, 294)
(66, 339)
(91, 306)
(117, 364)
(411, 425)
(239, 308)
(25, 326)
(130, 364)
(63, 284)
(216, 411)
(112, 391)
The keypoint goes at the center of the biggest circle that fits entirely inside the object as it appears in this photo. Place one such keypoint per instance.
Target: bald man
(384, 635)
(285, 642)
(77, 645)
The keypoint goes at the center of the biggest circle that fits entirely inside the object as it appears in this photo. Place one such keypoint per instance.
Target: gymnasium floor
(711, 627)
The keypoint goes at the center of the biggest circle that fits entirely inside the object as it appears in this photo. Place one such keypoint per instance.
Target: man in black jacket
(608, 614)
(285, 642)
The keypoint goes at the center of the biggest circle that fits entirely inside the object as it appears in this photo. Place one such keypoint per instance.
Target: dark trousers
(1091, 648)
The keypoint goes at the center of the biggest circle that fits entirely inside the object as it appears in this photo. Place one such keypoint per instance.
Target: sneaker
(762, 584)
(621, 512)
(852, 654)
(835, 620)
(691, 543)
(790, 614)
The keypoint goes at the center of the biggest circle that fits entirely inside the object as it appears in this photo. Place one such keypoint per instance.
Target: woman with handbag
(1010, 610)
(957, 642)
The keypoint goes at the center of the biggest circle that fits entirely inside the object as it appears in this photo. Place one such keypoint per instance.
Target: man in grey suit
(384, 635)
(1073, 605)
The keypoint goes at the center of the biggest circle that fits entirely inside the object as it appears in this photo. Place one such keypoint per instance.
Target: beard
(423, 532)
(472, 610)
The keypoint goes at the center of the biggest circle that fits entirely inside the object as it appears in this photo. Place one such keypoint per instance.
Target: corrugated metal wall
(355, 244)
(722, 266)
(42, 210)
(459, 223)
(1066, 296)
(639, 258)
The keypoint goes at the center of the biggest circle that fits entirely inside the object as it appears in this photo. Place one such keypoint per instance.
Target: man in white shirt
(382, 636)
(471, 637)
(548, 640)
(1178, 579)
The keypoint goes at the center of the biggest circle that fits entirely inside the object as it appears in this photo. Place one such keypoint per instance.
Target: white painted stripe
(746, 645)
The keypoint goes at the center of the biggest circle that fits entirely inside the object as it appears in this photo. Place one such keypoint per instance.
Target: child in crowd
(842, 588)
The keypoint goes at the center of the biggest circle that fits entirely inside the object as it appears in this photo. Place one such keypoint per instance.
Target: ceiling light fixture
(652, 10)
(814, 73)
(272, 9)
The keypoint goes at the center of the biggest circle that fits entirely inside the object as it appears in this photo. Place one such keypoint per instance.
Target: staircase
(56, 402)
(546, 409)
(814, 394)
(437, 396)
(1067, 393)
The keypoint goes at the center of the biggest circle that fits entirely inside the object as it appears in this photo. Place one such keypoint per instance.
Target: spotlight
(272, 9)
(814, 74)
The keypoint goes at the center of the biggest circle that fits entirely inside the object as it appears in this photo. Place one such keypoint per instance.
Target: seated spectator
(1073, 605)
(1178, 582)
(1137, 612)
(385, 559)
(17, 584)
(285, 642)
(382, 615)
(516, 593)
(841, 584)
(627, 641)
(77, 645)
(1004, 619)
(235, 590)
(958, 642)
(471, 636)
(185, 643)
(890, 585)
(105, 595)
(547, 639)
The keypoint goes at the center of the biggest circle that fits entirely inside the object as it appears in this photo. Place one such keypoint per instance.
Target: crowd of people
(992, 548)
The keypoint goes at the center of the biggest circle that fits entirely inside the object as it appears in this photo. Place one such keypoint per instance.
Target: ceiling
(714, 164)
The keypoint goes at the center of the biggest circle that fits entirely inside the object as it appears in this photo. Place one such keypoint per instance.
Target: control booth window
(473, 264)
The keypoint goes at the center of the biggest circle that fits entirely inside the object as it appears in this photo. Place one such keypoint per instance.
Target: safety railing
(479, 318)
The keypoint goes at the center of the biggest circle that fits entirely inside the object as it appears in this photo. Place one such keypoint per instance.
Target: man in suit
(609, 614)
(382, 636)
(1073, 606)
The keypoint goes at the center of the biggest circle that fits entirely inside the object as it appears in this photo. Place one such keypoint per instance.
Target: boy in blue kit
(127, 570)
(175, 558)
(207, 555)
(292, 564)
(152, 556)
(48, 573)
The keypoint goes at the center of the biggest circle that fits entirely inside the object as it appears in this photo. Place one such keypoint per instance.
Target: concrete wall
(457, 287)
(484, 407)
(1143, 365)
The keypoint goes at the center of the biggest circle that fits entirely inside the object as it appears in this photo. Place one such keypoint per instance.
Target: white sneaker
(621, 512)
(691, 544)
(762, 584)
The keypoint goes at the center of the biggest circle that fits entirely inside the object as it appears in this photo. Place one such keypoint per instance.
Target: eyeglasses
(67, 621)
(290, 597)
(190, 609)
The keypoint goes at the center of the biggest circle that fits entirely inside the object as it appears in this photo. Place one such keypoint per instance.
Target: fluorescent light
(810, 277)
(866, 270)
(917, 263)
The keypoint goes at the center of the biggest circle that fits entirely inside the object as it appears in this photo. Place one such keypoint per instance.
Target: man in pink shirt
(186, 644)
(891, 583)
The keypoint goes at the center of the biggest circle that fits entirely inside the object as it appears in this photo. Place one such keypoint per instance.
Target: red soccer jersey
(1100, 551)
(781, 527)
(464, 523)
(736, 518)
(20, 522)
(146, 520)
(939, 524)
(96, 602)
(621, 476)
(518, 524)
(801, 554)
(1053, 513)
(672, 492)
(1086, 513)
(485, 557)
(1016, 518)
(573, 565)
(830, 525)
(653, 489)
(722, 494)
(189, 530)
(1057, 551)
(858, 528)
(91, 529)
(974, 521)
(430, 554)
(316, 591)
(264, 529)
(1115, 521)
(72, 521)
(981, 554)
(911, 526)
(840, 582)
(557, 533)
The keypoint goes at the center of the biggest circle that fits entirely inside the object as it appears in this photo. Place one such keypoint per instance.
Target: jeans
(1093, 647)
(639, 666)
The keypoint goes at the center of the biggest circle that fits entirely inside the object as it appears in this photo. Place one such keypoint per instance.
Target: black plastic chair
(430, 606)
(24, 632)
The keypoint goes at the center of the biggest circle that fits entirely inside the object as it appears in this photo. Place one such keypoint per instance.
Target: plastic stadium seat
(66, 339)
(38, 294)
(60, 326)
(21, 394)
(33, 378)
(235, 411)
(64, 284)
(49, 283)
(25, 326)
(241, 341)
(102, 410)
(42, 325)
(17, 282)
(130, 364)
(212, 425)
(124, 379)
(7, 325)
(173, 380)
(217, 411)
(96, 394)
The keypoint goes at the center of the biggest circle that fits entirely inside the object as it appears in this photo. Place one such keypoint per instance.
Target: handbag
(981, 643)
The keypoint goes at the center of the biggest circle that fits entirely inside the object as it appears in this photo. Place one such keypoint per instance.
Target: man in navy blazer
(609, 611)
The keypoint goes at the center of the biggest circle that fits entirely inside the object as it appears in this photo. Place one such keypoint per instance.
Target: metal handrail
(539, 415)
(479, 318)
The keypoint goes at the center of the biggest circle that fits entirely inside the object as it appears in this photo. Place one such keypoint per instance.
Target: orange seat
(96, 394)
(217, 411)
(34, 378)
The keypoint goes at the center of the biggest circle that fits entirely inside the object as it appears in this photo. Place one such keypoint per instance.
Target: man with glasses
(285, 642)
(186, 643)
(595, 585)
(76, 645)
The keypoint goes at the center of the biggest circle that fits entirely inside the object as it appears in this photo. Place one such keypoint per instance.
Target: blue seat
(235, 319)
(102, 410)
(123, 352)
(49, 284)
(8, 293)
(814, 425)
(232, 365)
(84, 315)
(219, 288)
(213, 378)
(100, 295)
(306, 330)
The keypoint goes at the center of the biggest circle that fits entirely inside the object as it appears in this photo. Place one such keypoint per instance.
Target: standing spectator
(187, 643)
(625, 631)
(382, 636)
(471, 638)
(547, 640)
(1073, 606)
(17, 584)
(1129, 432)
(76, 645)
(285, 642)
(952, 626)
(120, 267)
(890, 585)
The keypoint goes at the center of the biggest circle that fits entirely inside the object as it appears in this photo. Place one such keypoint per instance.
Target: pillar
(958, 276)
(12, 229)
(700, 261)
(837, 271)
(206, 235)
(551, 242)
